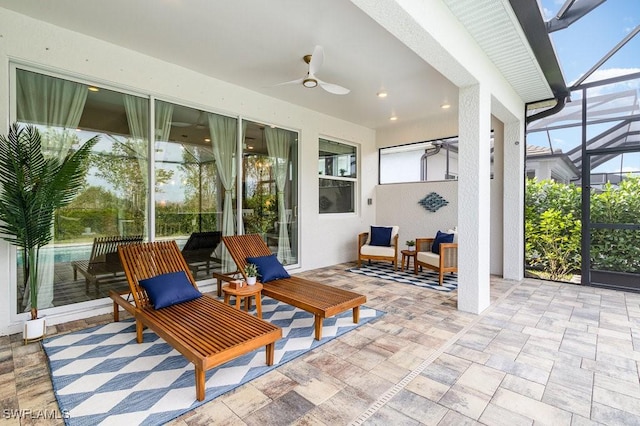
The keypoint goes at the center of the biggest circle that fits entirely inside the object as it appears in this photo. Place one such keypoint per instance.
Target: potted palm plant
(32, 187)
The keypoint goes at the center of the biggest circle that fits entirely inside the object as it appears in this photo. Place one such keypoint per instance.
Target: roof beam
(570, 12)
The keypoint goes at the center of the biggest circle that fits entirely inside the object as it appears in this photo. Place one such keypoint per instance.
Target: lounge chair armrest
(362, 238)
(424, 244)
(118, 300)
(220, 278)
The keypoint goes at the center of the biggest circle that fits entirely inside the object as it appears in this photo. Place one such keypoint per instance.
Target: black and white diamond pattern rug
(425, 278)
(101, 376)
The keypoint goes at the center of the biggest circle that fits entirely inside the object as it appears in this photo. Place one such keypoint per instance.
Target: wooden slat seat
(103, 265)
(322, 300)
(206, 331)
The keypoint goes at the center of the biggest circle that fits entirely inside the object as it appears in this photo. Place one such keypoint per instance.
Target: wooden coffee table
(407, 255)
(245, 293)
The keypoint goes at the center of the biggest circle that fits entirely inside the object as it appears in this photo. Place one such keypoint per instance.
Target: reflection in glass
(337, 168)
(269, 188)
(113, 200)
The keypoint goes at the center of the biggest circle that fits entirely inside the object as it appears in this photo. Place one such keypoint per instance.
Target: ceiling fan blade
(297, 81)
(333, 88)
(317, 58)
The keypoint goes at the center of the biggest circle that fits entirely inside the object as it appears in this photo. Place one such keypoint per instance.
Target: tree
(125, 169)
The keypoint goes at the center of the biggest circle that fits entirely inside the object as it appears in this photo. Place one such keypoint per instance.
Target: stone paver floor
(543, 353)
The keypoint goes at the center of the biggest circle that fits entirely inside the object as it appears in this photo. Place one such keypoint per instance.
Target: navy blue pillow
(441, 237)
(269, 268)
(380, 236)
(168, 289)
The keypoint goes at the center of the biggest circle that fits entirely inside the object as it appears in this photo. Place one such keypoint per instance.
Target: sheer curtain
(224, 131)
(279, 145)
(241, 221)
(58, 105)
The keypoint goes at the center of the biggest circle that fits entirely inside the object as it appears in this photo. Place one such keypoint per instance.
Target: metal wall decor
(433, 202)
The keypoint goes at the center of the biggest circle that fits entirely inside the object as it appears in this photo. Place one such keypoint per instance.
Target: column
(513, 208)
(474, 198)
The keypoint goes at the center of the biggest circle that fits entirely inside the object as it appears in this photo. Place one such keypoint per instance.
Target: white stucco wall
(398, 205)
(400, 200)
(47, 47)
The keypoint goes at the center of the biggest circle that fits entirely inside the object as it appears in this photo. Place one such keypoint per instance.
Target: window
(193, 158)
(419, 162)
(337, 169)
(434, 160)
(113, 200)
(187, 188)
(269, 187)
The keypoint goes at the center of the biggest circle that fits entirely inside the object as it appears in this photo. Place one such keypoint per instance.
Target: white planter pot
(251, 280)
(34, 330)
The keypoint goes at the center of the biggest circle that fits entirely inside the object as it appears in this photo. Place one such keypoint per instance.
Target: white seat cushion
(368, 250)
(428, 258)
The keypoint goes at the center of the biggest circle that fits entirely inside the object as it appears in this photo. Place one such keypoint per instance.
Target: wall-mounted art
(432, 202)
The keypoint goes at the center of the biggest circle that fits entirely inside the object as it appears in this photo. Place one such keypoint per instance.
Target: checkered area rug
(102, 376)
(426, 278)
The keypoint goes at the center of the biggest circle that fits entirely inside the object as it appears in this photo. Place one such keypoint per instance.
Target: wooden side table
(245, 293)
(407, 255)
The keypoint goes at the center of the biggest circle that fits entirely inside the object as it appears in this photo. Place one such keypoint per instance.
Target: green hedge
(553, 227)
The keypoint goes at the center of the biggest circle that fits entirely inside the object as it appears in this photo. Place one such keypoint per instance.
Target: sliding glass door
(269, 187)
(112, 203)
(187, 162)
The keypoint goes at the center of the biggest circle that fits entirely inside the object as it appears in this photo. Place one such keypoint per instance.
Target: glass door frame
(589, 276)
(295, 230)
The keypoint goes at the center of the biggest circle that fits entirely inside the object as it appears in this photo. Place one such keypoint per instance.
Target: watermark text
(22, 413)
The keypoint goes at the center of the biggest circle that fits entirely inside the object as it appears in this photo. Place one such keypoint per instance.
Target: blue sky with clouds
(585, 42)
(578, 48)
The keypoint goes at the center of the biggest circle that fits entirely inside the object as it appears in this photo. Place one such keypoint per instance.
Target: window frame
(355, 180)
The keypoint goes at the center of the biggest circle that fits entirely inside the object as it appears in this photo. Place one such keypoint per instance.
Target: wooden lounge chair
(322, 300)
(198, 249)
(103, 265)
(206, 331)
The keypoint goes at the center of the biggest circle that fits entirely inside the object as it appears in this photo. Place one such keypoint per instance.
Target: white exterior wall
(45, 46)
(398, 203)
(430, 29)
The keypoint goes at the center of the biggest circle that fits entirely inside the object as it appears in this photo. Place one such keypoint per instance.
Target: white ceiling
(256, 44)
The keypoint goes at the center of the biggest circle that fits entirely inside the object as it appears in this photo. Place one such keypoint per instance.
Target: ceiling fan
(315, 61)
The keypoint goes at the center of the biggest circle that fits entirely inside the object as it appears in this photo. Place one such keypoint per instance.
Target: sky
(586, 41)
(578, 48)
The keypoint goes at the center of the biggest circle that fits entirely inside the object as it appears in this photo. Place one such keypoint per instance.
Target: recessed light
(445, 106)
(207, 140)
(381, 94)
(93, 89)
(393, 118)
(250, 147)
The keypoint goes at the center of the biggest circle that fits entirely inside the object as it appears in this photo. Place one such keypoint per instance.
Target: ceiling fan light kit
(310, 83)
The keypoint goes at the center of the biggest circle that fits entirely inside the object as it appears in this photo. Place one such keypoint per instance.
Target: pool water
(63, 253)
